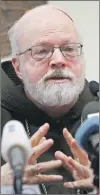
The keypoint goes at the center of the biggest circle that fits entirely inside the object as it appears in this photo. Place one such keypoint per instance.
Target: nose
(57, 60)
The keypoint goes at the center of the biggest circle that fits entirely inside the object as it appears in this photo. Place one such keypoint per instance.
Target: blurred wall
(10, 12)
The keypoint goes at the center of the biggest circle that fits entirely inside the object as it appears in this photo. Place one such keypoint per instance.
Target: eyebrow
(48, 43)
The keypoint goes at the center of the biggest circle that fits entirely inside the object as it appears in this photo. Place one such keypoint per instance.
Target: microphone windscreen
(14, 135)
(94, 87)
(87, 128)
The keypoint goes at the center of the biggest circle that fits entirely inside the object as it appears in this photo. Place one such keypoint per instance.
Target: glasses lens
(71, 50)
(40, 52)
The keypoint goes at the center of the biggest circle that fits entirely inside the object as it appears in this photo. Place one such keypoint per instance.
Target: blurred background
(85, 15)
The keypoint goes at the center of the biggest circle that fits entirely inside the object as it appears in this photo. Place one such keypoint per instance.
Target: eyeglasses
(40, 52)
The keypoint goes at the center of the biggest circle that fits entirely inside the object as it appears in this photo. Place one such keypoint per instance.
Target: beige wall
(86, 16)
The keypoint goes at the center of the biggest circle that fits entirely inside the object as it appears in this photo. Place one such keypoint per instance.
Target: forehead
(54, 28)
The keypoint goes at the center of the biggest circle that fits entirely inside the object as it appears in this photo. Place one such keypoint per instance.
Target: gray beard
(49, 94)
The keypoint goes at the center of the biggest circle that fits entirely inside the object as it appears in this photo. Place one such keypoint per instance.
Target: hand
(6, 174)
(82, 174)
(32, 172)
(79, 167)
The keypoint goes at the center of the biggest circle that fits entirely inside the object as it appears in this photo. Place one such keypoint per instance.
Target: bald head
(44, 8)
(37, 22)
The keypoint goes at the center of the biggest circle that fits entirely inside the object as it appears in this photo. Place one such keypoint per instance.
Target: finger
(40, 149)
(37, 179)
(41, 167)
(65, 159)
(79, 153)
(76, 176)
(42, 131)
(42, 140)
(84, 183)
(31, 159)
(80, 169)
(68, 137)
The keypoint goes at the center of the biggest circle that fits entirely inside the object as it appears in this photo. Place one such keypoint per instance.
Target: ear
(16, 65)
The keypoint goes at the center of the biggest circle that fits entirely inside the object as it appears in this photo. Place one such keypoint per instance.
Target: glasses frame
(52, 50)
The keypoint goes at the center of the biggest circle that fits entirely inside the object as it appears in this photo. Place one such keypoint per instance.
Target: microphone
(90, 111)
(15, 149)
(87, 136)
(94, 87)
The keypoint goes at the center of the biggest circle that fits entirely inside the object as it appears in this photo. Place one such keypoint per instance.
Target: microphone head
(94, 87)
(87, 128)
(14, 135)
(91, 109)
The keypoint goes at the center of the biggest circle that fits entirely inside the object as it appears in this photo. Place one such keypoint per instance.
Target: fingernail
(50, 140)
(69, 158)
(46, 124)
(58, 152)
(68, 184)
(59, 177)
(59, 161)
(64, 130)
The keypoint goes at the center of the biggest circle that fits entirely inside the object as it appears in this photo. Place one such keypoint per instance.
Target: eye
(43, 51)
(40, 52)
(68, 48)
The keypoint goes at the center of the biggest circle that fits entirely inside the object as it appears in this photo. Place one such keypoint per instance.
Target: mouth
(59, 79)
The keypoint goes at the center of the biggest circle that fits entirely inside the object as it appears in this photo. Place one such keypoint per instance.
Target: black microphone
(94, 88)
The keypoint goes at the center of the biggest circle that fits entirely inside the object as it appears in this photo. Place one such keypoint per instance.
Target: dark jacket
(15, 105)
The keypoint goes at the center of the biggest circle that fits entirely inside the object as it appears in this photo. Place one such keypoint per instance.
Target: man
(48, 58)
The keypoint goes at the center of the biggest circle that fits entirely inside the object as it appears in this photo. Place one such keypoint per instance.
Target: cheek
(36, 73)
(76, 67)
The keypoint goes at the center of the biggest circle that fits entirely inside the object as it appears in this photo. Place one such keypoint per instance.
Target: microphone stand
(18, 173)
(17, 159)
